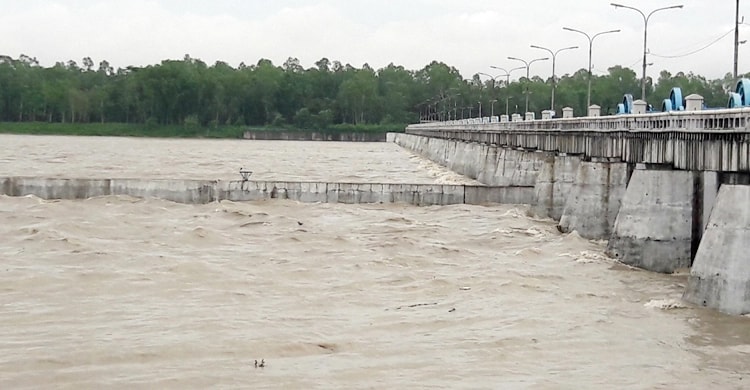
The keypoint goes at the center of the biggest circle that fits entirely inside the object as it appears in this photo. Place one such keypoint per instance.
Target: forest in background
(189, 93)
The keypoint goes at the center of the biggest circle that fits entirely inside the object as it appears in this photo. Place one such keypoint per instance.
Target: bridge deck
(711, 140)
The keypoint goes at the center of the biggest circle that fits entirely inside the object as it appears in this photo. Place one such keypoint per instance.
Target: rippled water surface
(117, 292)
(111, 157)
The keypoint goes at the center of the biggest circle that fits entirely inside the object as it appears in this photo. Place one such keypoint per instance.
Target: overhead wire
(715, 41)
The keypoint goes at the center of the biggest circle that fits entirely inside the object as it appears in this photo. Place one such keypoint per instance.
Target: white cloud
(470, 35)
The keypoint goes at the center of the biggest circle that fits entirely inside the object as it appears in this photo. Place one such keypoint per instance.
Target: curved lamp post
(554, 57)
(591, 46)
(645, 37)
(528, 65)
(507, 83)
(494, 82)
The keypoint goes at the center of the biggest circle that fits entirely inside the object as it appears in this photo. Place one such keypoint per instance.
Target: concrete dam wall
(206, 191)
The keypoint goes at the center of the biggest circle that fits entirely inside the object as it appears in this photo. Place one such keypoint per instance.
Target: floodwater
(118, 292)
(112, 157)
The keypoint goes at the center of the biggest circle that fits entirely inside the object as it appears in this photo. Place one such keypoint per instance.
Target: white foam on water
(665, 304)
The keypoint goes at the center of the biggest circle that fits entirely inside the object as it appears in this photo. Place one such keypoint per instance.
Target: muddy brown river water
(117, 292)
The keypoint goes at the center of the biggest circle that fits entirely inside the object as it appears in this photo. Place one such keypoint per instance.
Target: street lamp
(494, 82)
(591, 46)
(554, 57)
(645, 37)
(507, 83)
(528, 65)
(492, 108)
(480, 109)
(494, 78)
(455, 106)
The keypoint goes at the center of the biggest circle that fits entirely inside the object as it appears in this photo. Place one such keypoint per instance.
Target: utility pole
(736, 37)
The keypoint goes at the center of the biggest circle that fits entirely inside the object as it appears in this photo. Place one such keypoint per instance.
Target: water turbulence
(123, 292)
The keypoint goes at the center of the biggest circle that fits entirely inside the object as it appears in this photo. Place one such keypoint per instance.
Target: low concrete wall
(314, 136)
(720, 276)
(54, 188)
(206, 191)
(416, 194)
(502, 195)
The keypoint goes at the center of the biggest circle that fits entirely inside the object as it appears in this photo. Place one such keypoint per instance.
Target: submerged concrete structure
(648, 183)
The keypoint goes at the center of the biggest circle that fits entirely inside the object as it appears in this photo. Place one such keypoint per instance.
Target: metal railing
(726, 120)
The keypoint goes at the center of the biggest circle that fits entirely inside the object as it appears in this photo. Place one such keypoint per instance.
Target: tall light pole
(736, 37)
(645, 37)
(591, 47)
(492, 108)
(554, 57)
(494, 80)
(480, 109)
(528, 65)
(507, 83)
(455, 106)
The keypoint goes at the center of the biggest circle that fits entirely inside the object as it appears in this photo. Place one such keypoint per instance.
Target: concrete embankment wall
(206, 191)
(488, 164)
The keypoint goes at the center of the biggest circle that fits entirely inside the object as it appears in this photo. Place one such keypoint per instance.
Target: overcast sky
(471, 35)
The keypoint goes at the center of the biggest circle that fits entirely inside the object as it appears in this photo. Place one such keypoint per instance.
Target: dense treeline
(190, 92)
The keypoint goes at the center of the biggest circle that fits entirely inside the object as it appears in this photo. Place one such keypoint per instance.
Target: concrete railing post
(595, 110)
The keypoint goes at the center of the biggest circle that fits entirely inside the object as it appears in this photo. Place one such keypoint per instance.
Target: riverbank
(342, 132)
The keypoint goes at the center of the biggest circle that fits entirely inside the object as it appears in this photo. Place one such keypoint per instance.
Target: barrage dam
(667, 190)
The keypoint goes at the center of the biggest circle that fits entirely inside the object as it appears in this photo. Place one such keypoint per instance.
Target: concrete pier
(554, 185)
(655, 225)
(720, 276)
(594, 202)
